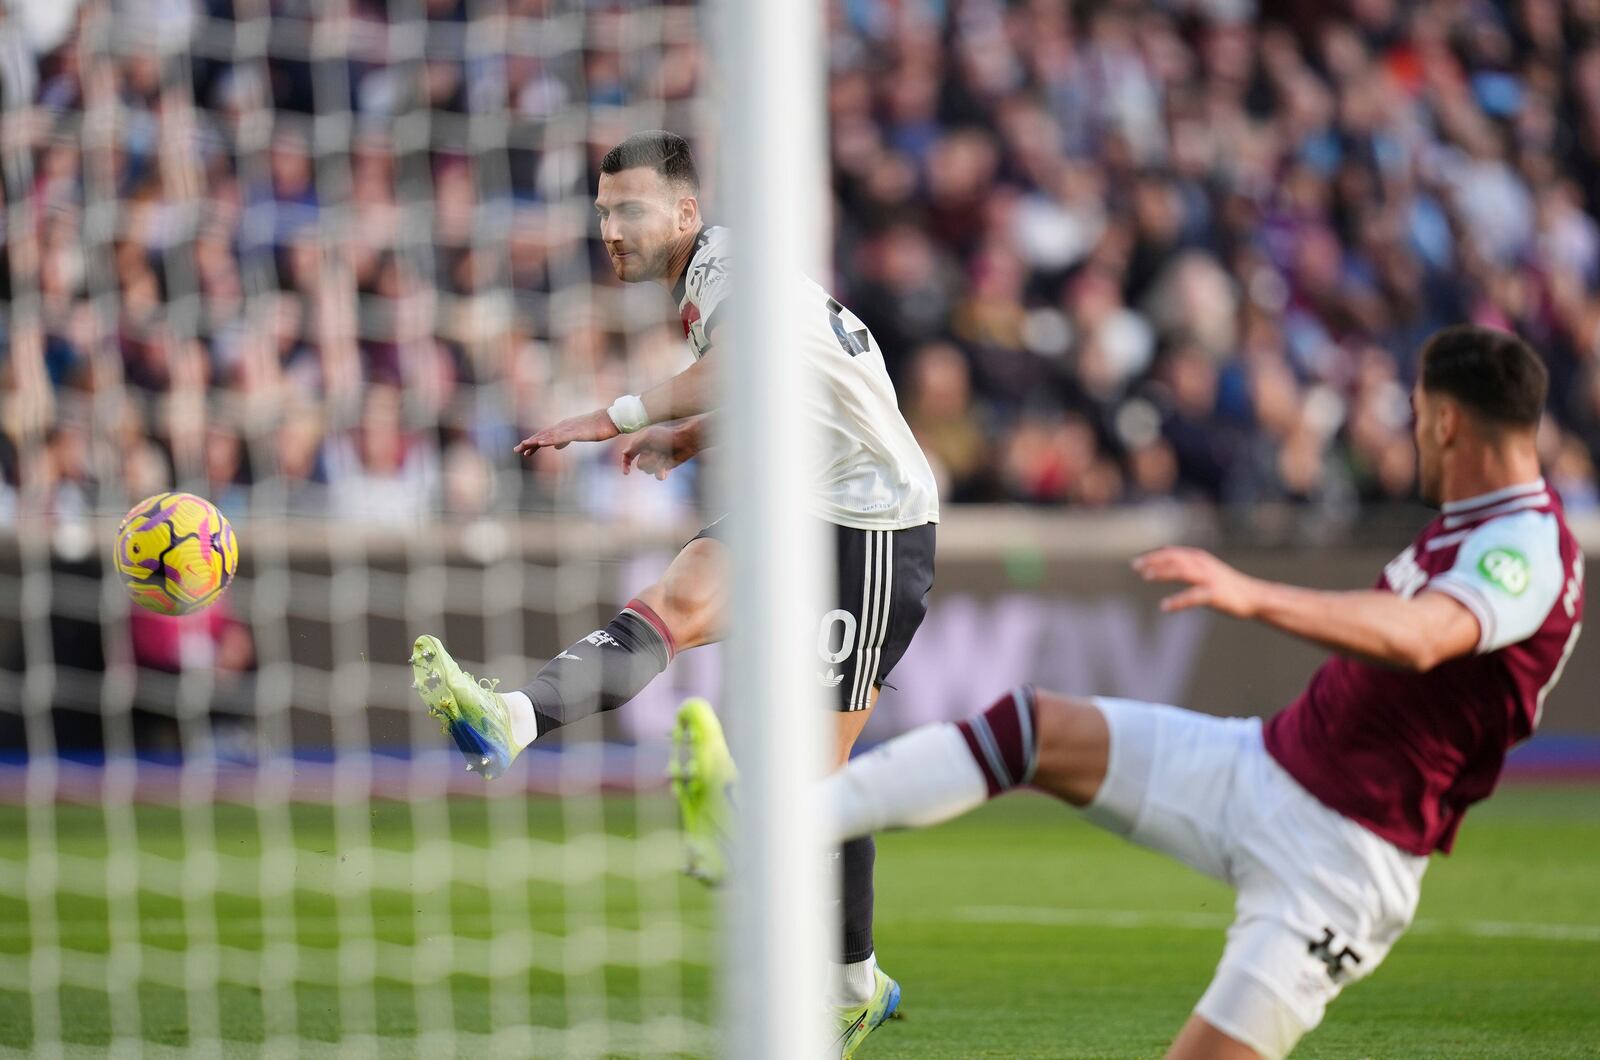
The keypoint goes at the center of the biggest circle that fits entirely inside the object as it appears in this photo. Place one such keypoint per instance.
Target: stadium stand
(1114, 255)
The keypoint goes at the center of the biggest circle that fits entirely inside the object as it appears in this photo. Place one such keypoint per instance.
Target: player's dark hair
(1493, 373)
(666, 153)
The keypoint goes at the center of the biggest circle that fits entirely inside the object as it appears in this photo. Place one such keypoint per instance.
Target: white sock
(851, 985)
(524, 723)
(921, 778)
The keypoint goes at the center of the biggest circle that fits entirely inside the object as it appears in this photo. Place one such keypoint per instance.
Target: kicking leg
(610, 666)
(600, 672)
(1056, 743)
(1166, 786)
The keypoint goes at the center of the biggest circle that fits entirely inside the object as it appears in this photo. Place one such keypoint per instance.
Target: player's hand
(656, 451)
(1212, 583)
(590, 427)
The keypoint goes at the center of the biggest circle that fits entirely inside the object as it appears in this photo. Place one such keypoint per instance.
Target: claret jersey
(873, 474)
(1405, 754)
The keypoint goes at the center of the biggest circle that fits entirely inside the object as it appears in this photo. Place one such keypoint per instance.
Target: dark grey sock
(603, 670)
(855, 892)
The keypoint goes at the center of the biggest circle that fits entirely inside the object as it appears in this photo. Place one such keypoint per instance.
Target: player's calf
(938, 772)
(613, 664)
(601, 672)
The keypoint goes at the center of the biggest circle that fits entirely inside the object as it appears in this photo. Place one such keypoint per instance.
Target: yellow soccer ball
(176, 553)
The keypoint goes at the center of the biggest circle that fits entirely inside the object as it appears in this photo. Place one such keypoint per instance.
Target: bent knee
(1074, 747)
(689, 597)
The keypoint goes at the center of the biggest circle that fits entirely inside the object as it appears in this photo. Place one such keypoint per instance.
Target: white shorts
(1320, 899)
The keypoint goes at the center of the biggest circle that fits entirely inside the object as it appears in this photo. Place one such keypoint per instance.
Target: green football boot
(703, 776)
(856, 1023)
(468, 709)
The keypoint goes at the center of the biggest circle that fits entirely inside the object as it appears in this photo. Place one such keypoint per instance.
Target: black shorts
(882, 582)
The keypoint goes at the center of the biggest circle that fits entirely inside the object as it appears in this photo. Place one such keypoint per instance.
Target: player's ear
(1446, 421)
(688, 213)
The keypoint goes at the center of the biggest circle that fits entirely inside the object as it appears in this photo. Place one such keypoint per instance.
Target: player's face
(641, 219)
(1426, 430)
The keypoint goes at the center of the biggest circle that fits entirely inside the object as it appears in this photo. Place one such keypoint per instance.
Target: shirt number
(1569, 600)
(853, 342)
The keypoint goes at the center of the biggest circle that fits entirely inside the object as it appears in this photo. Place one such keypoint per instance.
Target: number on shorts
(847, 643)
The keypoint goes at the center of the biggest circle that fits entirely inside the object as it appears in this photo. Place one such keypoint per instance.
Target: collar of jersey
(681, 285)
(1483, 500)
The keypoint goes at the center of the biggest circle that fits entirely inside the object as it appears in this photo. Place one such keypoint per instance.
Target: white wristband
(628, 413)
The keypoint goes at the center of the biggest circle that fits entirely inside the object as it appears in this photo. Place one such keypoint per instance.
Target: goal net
(324, 264)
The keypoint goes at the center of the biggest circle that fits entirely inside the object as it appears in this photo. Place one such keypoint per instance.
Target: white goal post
(772, 170)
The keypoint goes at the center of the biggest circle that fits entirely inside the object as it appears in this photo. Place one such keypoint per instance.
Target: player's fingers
(1189, 564)
(1162, 565)
(537, 440)
(1198, 596)
(1154, 558)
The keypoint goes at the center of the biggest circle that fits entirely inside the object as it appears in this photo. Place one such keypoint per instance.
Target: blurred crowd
(338, 258)
(334, 259)
(1125, 251)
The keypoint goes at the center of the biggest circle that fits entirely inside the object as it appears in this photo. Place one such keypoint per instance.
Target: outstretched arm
(689, 393)
(1416, 634)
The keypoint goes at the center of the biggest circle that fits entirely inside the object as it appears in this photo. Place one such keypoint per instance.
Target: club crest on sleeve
(1506, 568)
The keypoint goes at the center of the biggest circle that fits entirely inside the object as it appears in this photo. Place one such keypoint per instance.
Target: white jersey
(873, 473)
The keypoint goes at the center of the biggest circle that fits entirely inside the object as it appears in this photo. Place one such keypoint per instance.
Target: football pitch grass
(1016, 932)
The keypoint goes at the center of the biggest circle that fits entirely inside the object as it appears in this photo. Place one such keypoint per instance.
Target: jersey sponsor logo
(707, 275)
(600, 639)
(1405, 575)
(1507, 568)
